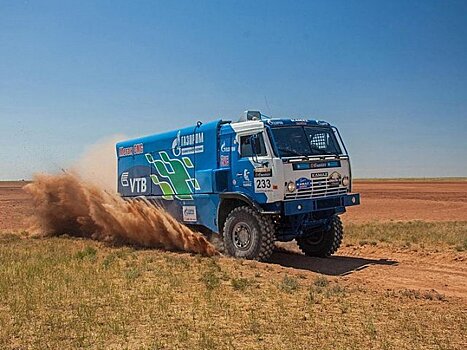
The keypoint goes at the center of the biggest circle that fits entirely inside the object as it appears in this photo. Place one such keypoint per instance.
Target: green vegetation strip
(421, 234)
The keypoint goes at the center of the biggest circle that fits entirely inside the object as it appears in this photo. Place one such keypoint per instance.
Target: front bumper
(303, 206)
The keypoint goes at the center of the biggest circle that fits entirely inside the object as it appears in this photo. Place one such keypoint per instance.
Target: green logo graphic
(173, 177)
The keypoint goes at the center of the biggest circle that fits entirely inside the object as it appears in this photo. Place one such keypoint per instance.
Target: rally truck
(252, 182)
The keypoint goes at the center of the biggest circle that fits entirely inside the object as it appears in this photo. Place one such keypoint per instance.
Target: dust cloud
(64, 204)
(83, 202)
(98, 163)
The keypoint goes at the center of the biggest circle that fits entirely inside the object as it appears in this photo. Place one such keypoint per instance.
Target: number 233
(263, 183)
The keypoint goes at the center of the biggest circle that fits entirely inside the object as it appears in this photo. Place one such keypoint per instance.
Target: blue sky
(392, 75)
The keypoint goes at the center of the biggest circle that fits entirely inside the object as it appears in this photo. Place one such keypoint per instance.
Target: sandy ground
(409, 200)
(376, 267)
(386, 269)
(15, 206)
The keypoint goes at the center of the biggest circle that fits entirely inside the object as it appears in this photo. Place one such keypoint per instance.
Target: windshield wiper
(290, 151)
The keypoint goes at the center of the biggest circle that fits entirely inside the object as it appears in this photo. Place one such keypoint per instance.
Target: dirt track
(409, 200)
(375, 267)
(15, 206)
(379, 268)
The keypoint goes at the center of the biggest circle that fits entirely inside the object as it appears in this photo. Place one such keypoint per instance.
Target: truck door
(244, 162)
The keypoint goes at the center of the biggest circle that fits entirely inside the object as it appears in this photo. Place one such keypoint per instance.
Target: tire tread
(337, 230)
(267, 228)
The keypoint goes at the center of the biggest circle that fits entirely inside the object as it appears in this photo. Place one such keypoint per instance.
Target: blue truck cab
(253, 182)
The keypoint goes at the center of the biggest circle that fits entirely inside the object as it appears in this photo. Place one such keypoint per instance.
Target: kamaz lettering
(252, 182)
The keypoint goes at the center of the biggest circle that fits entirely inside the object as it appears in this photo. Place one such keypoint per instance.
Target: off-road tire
(331, 240)
(262, 234)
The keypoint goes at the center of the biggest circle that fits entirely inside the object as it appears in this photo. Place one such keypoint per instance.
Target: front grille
(319, 188)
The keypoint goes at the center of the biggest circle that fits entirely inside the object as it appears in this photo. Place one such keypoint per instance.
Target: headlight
(345, 181)
(291, 186)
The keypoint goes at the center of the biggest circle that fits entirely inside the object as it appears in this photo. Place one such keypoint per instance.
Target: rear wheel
(323, 242)
(248, 234)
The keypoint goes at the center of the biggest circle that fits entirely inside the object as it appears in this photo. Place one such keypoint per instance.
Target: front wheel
(324, 241)
(248, 234)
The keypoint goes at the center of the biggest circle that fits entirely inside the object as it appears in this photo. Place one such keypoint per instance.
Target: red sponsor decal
(138, 148)
(225, 161)
(125, 151)
(129, 151)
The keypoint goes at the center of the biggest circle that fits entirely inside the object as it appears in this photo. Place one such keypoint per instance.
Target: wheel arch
(229, 201)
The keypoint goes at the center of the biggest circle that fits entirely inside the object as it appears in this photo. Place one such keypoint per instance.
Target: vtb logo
(137, 184)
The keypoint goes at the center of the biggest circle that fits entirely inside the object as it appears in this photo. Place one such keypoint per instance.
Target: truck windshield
(305, 141)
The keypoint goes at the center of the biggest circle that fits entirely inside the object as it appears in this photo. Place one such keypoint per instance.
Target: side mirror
(255, 144)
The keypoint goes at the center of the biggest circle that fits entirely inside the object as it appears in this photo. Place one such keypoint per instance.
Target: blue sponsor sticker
(303, 183)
